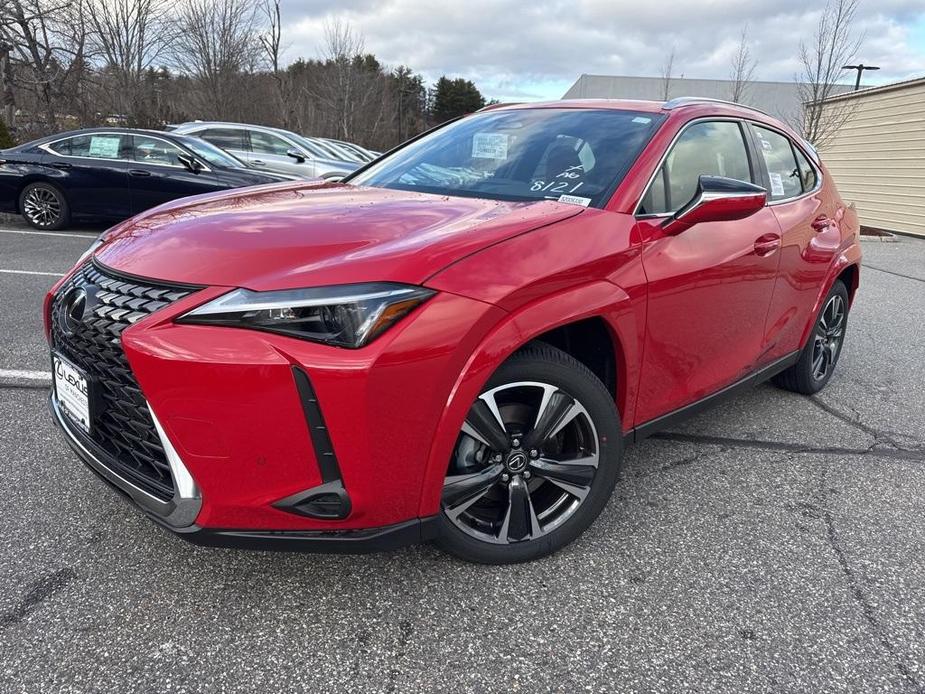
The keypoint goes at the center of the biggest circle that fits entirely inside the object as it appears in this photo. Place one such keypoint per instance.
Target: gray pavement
(774, 543)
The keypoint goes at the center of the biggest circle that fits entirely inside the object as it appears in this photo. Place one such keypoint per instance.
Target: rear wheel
(820, 355)
(44, 206)
(535, 462)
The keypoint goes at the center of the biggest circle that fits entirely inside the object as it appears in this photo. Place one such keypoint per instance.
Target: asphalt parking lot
(775, 543)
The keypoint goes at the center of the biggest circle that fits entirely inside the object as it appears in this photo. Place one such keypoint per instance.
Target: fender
(849, 256)
(624, 317)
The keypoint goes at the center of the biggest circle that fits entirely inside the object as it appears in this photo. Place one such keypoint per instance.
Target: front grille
(122, 425)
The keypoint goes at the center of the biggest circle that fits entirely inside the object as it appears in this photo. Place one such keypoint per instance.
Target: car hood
(292, 235)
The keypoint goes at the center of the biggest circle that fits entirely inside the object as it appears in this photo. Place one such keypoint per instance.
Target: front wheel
(535, 463)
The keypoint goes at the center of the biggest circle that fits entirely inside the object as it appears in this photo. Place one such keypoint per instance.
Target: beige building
(877, 154)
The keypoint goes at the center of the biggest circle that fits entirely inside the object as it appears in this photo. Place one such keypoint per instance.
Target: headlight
(349, 315)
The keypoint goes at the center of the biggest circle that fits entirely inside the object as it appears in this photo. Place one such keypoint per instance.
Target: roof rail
(492, 107)
(685, 100)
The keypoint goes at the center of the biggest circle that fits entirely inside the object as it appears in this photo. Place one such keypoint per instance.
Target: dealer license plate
(72, 389)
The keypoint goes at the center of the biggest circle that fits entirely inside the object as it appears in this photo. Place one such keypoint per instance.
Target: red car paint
(689, 314)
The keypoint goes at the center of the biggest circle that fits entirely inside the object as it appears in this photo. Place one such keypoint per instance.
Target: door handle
(60, 165)
(767, 244)
(138, 172)
(821, 223)
(258, 162)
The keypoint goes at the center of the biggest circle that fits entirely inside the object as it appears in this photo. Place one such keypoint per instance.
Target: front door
(157, 176)
(709, 286)
(270, 152)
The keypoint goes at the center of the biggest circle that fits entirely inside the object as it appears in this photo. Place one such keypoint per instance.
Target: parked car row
(274, 149)
(109, 174)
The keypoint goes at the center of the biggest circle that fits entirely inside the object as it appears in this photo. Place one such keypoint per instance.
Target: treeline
(145, 63)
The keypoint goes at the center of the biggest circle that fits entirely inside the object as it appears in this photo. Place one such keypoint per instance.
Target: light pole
(860, 67)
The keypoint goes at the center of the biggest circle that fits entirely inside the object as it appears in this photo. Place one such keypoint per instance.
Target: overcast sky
(536, 49)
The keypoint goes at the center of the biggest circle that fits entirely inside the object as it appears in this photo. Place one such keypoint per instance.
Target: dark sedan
(112, 173)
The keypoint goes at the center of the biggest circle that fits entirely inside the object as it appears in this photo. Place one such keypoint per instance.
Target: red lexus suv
(456, 342)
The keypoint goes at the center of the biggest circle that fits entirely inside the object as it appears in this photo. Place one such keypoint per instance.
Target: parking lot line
(25, 375)
(27, 232)
(31, 272)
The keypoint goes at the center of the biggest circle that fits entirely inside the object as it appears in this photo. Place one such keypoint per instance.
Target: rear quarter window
(779, 157)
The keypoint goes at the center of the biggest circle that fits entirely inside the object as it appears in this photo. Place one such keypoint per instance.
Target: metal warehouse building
(780, 99)
(877, 154)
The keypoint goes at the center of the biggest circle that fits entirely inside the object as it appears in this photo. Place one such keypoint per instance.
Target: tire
(824, 343)
(489, 485)
(44, 206)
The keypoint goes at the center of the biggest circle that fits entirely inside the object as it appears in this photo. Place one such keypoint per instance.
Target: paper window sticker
(777, 184)
(642, 119)
(575, 200)
(489, 146)
(104, 146)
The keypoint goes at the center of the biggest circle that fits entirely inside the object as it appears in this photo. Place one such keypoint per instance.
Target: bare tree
(833, 45)
(667, 75)
(31, 30)
(742, 69)
(271, 44)
(352, 92)
(130, 36)
(216, 44)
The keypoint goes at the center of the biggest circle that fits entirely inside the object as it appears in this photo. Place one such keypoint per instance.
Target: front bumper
(179, 514)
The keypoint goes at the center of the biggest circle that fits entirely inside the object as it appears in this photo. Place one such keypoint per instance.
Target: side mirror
(295, 154)
(717, 199)
(190, 162)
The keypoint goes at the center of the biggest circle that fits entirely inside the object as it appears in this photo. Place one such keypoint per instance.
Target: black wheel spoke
(520, 523)
(556, 410)
(461, 491)
(483, 425)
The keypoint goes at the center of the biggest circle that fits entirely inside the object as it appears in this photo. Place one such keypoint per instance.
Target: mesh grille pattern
(122, 425)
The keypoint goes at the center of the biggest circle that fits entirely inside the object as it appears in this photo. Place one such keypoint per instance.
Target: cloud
(517, 50)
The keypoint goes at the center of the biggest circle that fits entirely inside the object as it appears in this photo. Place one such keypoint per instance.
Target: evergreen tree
(454, 98)
(5, 139)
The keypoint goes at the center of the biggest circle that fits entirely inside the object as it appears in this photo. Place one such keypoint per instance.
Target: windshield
(212, 154)
(523, 154)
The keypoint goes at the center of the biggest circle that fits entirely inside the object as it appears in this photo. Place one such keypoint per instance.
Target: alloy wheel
(827, 339)
(42, 207)
(523, 464)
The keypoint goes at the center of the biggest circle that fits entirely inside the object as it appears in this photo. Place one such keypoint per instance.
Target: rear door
(709, 286)
(810, 236)
(92, 170)
(157, 176)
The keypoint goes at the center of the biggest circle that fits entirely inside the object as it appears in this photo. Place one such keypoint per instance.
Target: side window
(808, 175)
(265, 143)
(152, 150)
(102, 146)
(226, 138)
(711, 148)
(782, 166)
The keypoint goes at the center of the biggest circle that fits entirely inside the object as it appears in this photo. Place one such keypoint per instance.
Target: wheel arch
(599, 309)
(847, 268)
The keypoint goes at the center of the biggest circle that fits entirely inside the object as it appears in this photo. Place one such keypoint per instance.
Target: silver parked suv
(271, 149)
